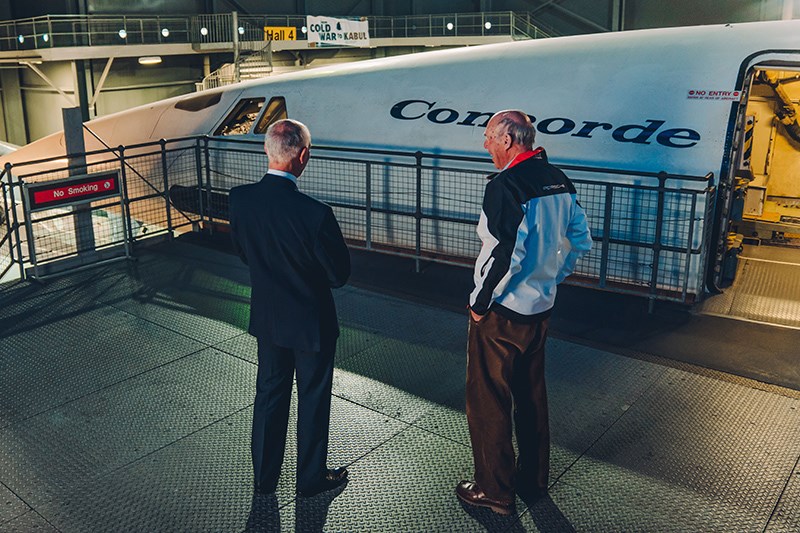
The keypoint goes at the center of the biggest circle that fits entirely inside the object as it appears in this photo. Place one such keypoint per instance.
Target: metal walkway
(766, 289)
(126, 394)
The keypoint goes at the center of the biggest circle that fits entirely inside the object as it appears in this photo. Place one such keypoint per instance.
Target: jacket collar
(273, 177)
(537, 154)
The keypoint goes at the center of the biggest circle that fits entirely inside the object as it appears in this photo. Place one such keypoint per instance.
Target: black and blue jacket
(533, 231)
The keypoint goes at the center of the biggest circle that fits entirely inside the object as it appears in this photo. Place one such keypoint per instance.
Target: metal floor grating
(145, 428)
(764, 291)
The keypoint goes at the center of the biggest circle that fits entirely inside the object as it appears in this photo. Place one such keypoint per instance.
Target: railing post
(29, 229)
(662, 182)
(16, 221)
(689, 239)
(126, 202)
(418, 213)
(368, 205)
(608, 212)
(199, 161)
(208, 188)
(9, 227)
(165, 174)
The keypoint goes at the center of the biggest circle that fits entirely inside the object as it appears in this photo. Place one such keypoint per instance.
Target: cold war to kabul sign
(329, 31)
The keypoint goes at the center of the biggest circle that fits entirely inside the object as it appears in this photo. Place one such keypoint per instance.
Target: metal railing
(251, 64)
(651, 230)
(51, 31)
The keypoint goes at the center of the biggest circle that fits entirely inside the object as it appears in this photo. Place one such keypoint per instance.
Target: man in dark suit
(296, 253)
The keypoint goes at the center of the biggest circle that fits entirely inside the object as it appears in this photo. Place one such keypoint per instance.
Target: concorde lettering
(628, 133)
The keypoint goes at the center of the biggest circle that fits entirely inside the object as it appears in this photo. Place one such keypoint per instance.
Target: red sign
(73, 190)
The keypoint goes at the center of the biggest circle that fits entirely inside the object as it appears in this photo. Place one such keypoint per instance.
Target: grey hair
(517, 124)
(285, 139)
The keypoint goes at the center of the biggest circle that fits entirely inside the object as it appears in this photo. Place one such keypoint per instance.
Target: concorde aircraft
(686, 101)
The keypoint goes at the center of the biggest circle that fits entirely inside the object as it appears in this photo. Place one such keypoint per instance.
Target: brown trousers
(505, 374)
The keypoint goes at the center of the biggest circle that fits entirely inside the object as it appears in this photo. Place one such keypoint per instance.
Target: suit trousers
(505, 378)
(276, 367)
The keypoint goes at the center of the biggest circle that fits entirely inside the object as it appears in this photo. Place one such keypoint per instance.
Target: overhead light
(488, 25)
(165, 32)
(304, 29)
(123, 33)
(150, 60)
(203, 31)
(449, 25)
(21, 38)
(241, 30)
(45, 37)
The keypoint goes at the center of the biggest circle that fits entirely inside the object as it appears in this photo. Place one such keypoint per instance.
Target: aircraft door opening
(770, 160)
(761, 267)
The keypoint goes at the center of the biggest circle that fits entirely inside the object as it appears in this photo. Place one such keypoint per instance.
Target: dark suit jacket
(296, 253)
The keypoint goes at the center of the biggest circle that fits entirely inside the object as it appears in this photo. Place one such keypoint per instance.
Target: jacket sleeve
(580, 241)
(503, 214)
(331, 251)
(236, 230)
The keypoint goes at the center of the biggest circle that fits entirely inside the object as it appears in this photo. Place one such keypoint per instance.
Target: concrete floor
(126, 395)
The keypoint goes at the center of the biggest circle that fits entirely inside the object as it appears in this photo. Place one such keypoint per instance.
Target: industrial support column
(13, 111)
(788, 10)
(236, 71)
(79, 73)
(618, 15)
(76, 152)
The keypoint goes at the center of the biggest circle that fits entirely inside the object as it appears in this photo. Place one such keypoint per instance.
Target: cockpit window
(275, 111)
(198, 103)
(242, 117)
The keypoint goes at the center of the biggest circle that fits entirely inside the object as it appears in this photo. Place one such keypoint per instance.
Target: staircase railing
(251, 64)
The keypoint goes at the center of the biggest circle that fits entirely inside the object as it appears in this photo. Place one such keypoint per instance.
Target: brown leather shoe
(469, 492)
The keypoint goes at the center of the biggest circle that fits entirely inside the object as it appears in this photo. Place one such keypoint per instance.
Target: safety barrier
(53, 31)
(651, 230)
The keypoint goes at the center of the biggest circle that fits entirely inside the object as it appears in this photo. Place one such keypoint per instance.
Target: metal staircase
(251, 65)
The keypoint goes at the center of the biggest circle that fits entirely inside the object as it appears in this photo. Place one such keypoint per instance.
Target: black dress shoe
(469, 492)
(333, 478)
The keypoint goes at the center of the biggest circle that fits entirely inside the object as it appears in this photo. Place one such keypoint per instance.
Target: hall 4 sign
(280, 33)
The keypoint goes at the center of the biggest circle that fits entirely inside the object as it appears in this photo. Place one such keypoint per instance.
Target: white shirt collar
(283, 174)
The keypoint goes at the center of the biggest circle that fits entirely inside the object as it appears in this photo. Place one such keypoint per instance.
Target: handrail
(52, 31)
(396, 153)
(232, 72)
(650, 236)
